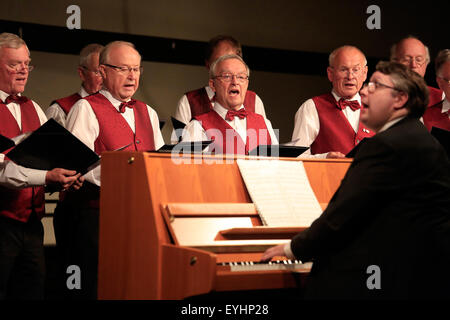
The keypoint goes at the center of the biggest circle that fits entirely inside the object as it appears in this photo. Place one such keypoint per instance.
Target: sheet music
(281, 192)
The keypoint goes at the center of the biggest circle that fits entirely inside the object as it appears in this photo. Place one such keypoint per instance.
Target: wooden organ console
(171, 230)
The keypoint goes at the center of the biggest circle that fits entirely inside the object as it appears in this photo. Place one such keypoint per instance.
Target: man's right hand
(335, 155)
(64, 178)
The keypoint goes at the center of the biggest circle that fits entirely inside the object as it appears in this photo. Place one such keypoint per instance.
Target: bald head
(412, 53)
(347, 71)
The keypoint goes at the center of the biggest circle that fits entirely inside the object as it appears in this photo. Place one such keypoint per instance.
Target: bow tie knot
(128, 104)
(16, 99)
(241, 113)
(353, 104)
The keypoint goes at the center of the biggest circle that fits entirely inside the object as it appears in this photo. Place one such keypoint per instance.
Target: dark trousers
(76, 233)
(22, 262)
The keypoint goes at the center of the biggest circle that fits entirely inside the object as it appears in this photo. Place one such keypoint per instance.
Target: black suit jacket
(392, 210)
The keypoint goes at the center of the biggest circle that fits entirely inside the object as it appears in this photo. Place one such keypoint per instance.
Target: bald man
(329, 124)
(412, 53)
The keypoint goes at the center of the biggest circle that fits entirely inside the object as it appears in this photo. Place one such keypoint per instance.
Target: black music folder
(5, 143)
(443, 136)
(161, 124)
(52, 146)
(178, 126)
(185, 147)
(278, 150)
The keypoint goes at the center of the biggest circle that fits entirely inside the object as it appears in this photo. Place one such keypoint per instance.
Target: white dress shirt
(183, 111)
(83, 123)
(307, 124)
(11, 174)
(195, 132)
(56, 112)
(446, 107)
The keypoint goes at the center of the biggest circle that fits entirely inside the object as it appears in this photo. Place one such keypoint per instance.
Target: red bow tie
(17, 99)
(353, 104)
(128, 104)
(241, 113)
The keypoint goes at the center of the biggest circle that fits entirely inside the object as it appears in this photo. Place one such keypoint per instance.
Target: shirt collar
(116, 103)
(356, 97)
(210, 92)
(445, 106)
(83, 93)
(390, 124)
(4, 95)
(221, 110)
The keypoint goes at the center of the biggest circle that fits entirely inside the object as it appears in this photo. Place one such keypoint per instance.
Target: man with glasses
(22, 205)
(386, 232)
(412, 53)
(200, 101)
(438, 115)
(329, 124)
(91, 82)
(234, 129)
(105, 121)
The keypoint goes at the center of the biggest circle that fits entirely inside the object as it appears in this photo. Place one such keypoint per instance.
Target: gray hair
(212, 69)
(10, 40)
(335, 52)
(104, 54)
(442, 57)
(87, 51)
(393, 56)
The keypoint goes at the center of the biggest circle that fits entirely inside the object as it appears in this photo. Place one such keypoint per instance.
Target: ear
(101, 68)
(81, 74)
(365, 73)
(330, 73)
(211, 84)
(400, 100)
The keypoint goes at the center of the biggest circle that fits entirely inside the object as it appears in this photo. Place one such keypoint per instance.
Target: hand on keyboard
(272, 252)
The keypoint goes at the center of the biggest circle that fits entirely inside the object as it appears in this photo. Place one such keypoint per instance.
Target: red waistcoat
(257, 133)
(200, 103)
(67, 103)
(433, 117)
(335, 133)
(114, 130)
(435, 96)
(18, 204)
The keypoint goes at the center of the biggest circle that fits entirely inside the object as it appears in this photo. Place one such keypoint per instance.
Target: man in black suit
(386, 231)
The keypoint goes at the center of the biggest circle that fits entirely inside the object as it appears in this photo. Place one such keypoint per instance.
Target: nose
(234, 79)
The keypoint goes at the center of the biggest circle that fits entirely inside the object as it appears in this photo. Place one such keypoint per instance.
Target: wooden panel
(134, 262)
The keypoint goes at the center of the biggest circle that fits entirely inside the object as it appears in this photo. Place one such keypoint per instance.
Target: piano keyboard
(293, 265)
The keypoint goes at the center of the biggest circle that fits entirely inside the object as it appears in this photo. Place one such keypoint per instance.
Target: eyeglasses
(374, 85)
(17, 68)
(447, 82)
(125, 69)
(356, 71)
(228, 77)
(407, 60)
(96, 72)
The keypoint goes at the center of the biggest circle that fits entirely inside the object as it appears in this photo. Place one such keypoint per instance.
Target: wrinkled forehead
(11, 53)
(349, 58)
(231, 66)
(411, 47)
(124, 55)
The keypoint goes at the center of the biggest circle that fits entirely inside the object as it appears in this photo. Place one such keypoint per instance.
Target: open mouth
(233, 92)
(349, 85)
(365, 106)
